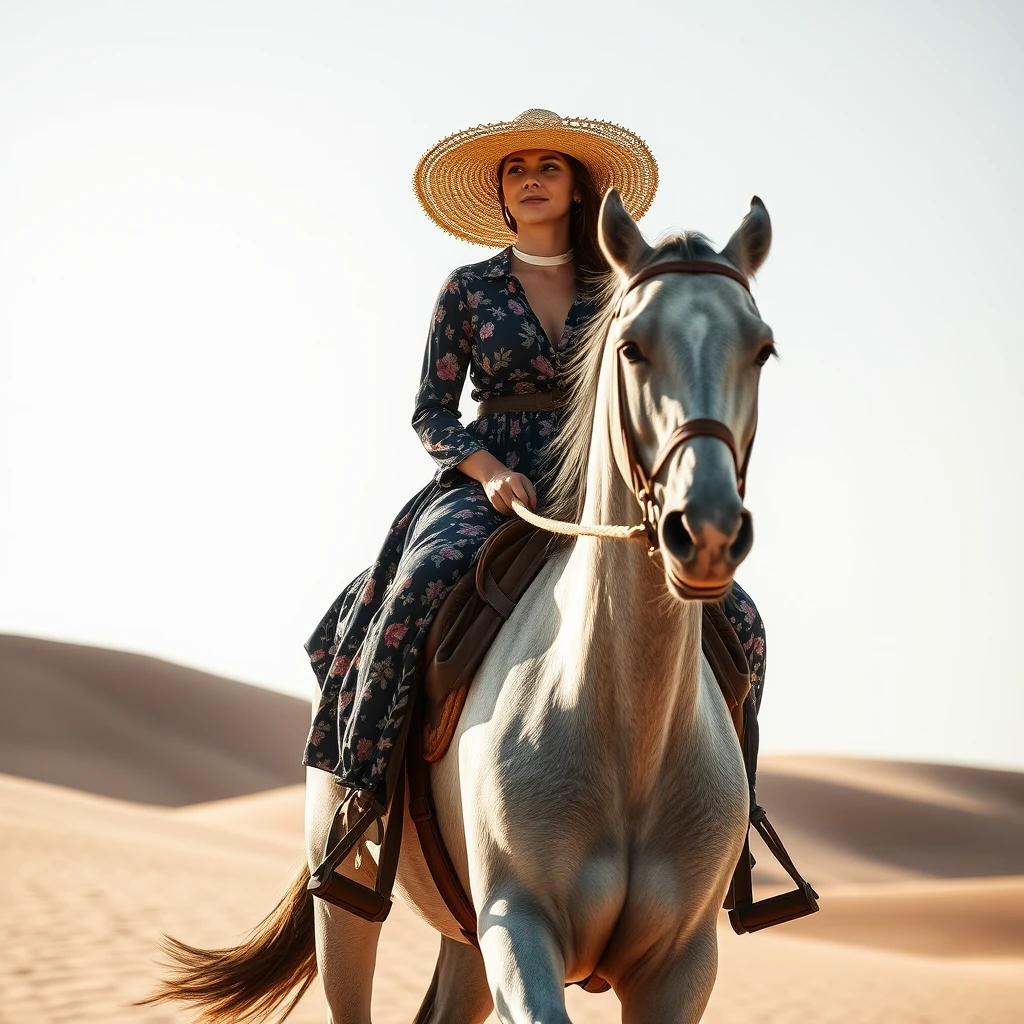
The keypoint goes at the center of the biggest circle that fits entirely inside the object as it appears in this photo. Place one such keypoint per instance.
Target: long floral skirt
(366, 649)
(747, 622)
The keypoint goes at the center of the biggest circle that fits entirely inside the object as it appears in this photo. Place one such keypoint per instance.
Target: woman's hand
(500, 484)
(504, 486)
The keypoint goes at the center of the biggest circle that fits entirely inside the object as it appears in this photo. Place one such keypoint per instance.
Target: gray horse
(593, 800)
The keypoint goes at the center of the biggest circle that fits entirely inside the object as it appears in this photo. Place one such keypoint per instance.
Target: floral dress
(365, 651)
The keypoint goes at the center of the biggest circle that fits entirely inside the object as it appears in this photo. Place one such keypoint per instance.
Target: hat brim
(456, 179)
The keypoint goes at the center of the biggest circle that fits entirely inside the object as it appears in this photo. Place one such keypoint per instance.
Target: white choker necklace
(545, 261)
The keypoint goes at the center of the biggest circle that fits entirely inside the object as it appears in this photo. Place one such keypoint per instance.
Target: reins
(578, 529)
(642, 482)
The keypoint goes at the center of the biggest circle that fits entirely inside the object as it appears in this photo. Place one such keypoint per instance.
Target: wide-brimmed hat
(456, 180)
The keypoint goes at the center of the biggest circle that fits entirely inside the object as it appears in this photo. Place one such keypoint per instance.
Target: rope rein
(578, 529)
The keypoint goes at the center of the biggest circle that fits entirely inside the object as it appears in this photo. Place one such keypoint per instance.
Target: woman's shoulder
(493, 266)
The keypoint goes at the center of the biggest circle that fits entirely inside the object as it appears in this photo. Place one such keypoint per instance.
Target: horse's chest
(630, 873)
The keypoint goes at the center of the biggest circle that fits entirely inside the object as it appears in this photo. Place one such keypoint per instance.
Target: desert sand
(139, 798)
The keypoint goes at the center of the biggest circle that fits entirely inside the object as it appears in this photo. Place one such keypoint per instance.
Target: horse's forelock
(565, 473)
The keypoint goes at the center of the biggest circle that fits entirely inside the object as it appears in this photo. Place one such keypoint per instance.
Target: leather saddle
(468, 621)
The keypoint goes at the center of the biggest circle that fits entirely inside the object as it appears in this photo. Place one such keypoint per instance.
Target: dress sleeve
(445, 364)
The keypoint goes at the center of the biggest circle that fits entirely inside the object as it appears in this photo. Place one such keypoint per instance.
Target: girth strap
(435, 853)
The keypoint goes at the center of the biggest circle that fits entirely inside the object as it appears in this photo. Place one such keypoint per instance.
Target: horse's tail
(247, 983)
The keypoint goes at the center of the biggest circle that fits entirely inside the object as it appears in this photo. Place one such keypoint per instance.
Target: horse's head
(687, 349)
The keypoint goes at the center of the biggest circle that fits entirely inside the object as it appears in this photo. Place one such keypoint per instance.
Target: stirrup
(747, 916)
(325, 883)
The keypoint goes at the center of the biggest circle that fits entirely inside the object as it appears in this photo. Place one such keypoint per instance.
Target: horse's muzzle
(702, 552)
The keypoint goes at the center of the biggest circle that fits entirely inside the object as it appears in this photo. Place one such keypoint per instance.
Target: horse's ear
(618, 235)
(749, 245)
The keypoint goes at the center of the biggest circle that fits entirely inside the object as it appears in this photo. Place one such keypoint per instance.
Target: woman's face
(538, 186)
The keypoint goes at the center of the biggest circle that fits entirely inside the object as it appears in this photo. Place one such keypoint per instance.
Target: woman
(509, 321)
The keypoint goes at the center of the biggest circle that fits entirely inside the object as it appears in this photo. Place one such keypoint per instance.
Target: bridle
(643, 482)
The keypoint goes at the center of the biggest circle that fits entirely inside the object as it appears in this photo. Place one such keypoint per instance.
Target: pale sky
(216, 284)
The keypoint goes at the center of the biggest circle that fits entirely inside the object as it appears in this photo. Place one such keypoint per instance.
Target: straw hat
(456, 180)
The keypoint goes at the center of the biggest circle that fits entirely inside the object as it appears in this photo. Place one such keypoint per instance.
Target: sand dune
(91, 883)
(920, 867)
(860, 820)
(80, 917)
(974, 917)
(138, 728)
(277, 812)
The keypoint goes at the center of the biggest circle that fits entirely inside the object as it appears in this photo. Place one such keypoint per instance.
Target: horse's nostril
(740, 547)
(676, 537)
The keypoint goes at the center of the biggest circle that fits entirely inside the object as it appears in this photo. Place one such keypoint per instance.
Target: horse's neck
(637, 648)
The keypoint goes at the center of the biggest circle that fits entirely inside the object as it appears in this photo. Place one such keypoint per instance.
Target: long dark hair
(591, 266)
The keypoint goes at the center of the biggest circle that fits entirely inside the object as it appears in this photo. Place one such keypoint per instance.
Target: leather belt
(539, 402)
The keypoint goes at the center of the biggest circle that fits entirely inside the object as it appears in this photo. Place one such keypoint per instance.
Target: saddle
(462, 631)
(468, 621)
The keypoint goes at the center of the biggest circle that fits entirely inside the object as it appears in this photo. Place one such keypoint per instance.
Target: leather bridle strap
(684, 267)
(698, 428)
(643, 483)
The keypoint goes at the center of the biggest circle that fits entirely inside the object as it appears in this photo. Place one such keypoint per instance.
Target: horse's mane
(564, 472)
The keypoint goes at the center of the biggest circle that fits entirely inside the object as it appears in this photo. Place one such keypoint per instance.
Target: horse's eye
(631, 350)
(765, 354)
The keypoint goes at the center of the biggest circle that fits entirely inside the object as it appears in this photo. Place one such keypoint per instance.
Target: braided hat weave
(456, 180)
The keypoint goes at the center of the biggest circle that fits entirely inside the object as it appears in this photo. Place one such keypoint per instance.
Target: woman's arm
(445, 364)
(436, 416)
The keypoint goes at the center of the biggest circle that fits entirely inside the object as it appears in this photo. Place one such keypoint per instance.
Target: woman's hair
(591, 266)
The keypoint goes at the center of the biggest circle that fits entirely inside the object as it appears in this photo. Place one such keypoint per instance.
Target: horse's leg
(672, 987)
(346, 945)
(458, 992)
(525, 967)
